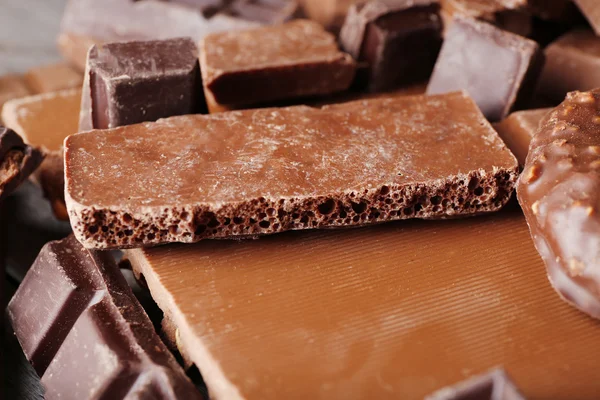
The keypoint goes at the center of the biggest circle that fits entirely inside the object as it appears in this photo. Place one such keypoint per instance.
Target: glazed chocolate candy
(17, 161)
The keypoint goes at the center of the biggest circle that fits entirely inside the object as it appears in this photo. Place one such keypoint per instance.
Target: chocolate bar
(52, 78)
(399, 40)
(263, 171)
(591, 11)
(75, 307)
(17, 161)
(131, 82)
(12, 87)
(518, 129)
(494, 385)
(44, 121)
(277, 62)
(497, 68)
(558, 192)
(394, 311)
(572, 63)
(265, 11)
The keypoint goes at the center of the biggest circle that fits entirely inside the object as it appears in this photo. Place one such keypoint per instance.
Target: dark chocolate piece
(400, 40)
(497, 68)
(85, 333)
(572, 63)
(591, 11)
(131, 82)
(495, 385)
(518, 129)
(265, 11)
(17, 161)
(559, 192)
(264, 171)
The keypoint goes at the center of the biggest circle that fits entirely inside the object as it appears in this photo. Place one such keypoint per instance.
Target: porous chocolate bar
(263, 171)
(398, 40)
(494, 385)
(394, 311)
(17, 161)
(277, 62)
(572, 63)
(85, 333)
(497, 68)
(559, 192)
(518, 129)
(131, 82)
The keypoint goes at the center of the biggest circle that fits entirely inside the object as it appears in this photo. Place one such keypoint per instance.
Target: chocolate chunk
(518, 129)
(399, 40)
(591, 11)
(85, 333)
(131, 82)
(52, 78)
(273, 63)
(265, 11)
(494, 385)
(17, 161)
(498, 69)
(572, 63)
(399, 310)
(559, 193)
(45, 121)
(269, 170)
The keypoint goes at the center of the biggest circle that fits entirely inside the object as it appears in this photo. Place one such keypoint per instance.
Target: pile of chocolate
(262, 122)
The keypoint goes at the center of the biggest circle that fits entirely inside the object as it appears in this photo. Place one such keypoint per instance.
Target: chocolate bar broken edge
(10, 141)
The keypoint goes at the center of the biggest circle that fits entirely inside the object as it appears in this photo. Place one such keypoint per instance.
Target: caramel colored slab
(12, 87)
(270, 170)
(52, 78)
(395, 311)
(518, 129)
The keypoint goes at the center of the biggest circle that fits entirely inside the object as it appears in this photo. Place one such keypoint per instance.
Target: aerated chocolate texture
(272, 63)
(497, 87)
(559, 192)
(268, 170)
(127, 83)
(17, 161)
(494, 385)
(399, 40)
(85, 333)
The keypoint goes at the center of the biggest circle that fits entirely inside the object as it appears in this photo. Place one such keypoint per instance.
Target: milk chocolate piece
(518, 129)
(86, 334)
(394, 311)
(494, 385)
(265, 11)
(481, 9)
(12, 87)
(591, 11)
(400, 40)
(572, 63)
(498, 69)
(277, 62)
(269, 170)
(74, 48)
(559, 192)
(44, 121)
(131, 82)
(52, 78)
(17, 161)
(329, 13)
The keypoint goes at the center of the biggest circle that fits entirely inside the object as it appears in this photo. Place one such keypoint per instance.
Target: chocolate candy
(329, 13)
(518, 129)
(85, 333)
(273, 63)
(45, 120)
(265, 11)
(494, 385)
(558, 192)
(572, 63)
(399, 40)
(17, 161)
(52, 78)
(591, 11)
(498, 69)
(127, 83)
(270, 170)
(394, 311)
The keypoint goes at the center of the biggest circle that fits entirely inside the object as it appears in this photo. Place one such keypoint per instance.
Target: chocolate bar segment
(497, 68)
(518, 129)
(559, 192)
(17, 161)
(591, 11)
(494, 385)
(269, 170)
(73, 307)
(572, 63)
(273, 63)
(399, 40)
(131, 82)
